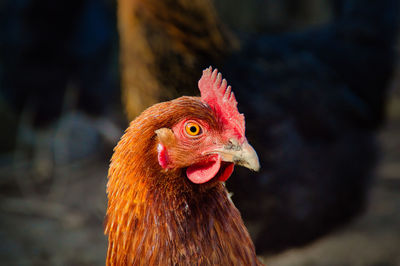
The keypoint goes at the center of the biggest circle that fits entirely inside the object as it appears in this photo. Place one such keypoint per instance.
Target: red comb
(215, 92)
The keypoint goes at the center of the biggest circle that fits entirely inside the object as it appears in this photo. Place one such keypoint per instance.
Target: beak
(240, 154)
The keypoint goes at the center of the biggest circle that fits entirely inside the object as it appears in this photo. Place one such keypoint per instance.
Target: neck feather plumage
(157, 217)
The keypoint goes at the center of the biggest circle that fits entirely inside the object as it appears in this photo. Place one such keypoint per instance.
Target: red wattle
(204, 171)
(226, 171)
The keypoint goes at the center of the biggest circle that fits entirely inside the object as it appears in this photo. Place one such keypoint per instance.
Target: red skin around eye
(211, 166)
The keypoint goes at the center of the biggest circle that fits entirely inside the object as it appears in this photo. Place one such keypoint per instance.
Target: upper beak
(240, 154)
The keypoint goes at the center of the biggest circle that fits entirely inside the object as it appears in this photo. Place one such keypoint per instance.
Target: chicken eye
(192, 129)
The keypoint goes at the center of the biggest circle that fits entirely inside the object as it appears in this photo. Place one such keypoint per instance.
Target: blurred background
(317, 80)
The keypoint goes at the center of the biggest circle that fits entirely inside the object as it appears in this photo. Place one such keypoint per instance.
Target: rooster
(167, 204)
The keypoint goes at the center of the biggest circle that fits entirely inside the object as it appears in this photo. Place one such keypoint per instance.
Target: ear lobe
(166, 139)
(162, 156)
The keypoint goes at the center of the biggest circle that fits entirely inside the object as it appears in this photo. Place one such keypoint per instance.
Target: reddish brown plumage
(157, 216)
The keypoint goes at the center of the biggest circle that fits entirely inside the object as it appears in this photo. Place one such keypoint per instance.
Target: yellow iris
(192, 129)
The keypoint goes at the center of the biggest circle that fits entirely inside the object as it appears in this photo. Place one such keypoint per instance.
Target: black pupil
(193, 129)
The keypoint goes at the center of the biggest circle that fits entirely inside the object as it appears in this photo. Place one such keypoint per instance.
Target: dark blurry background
(61, 115)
